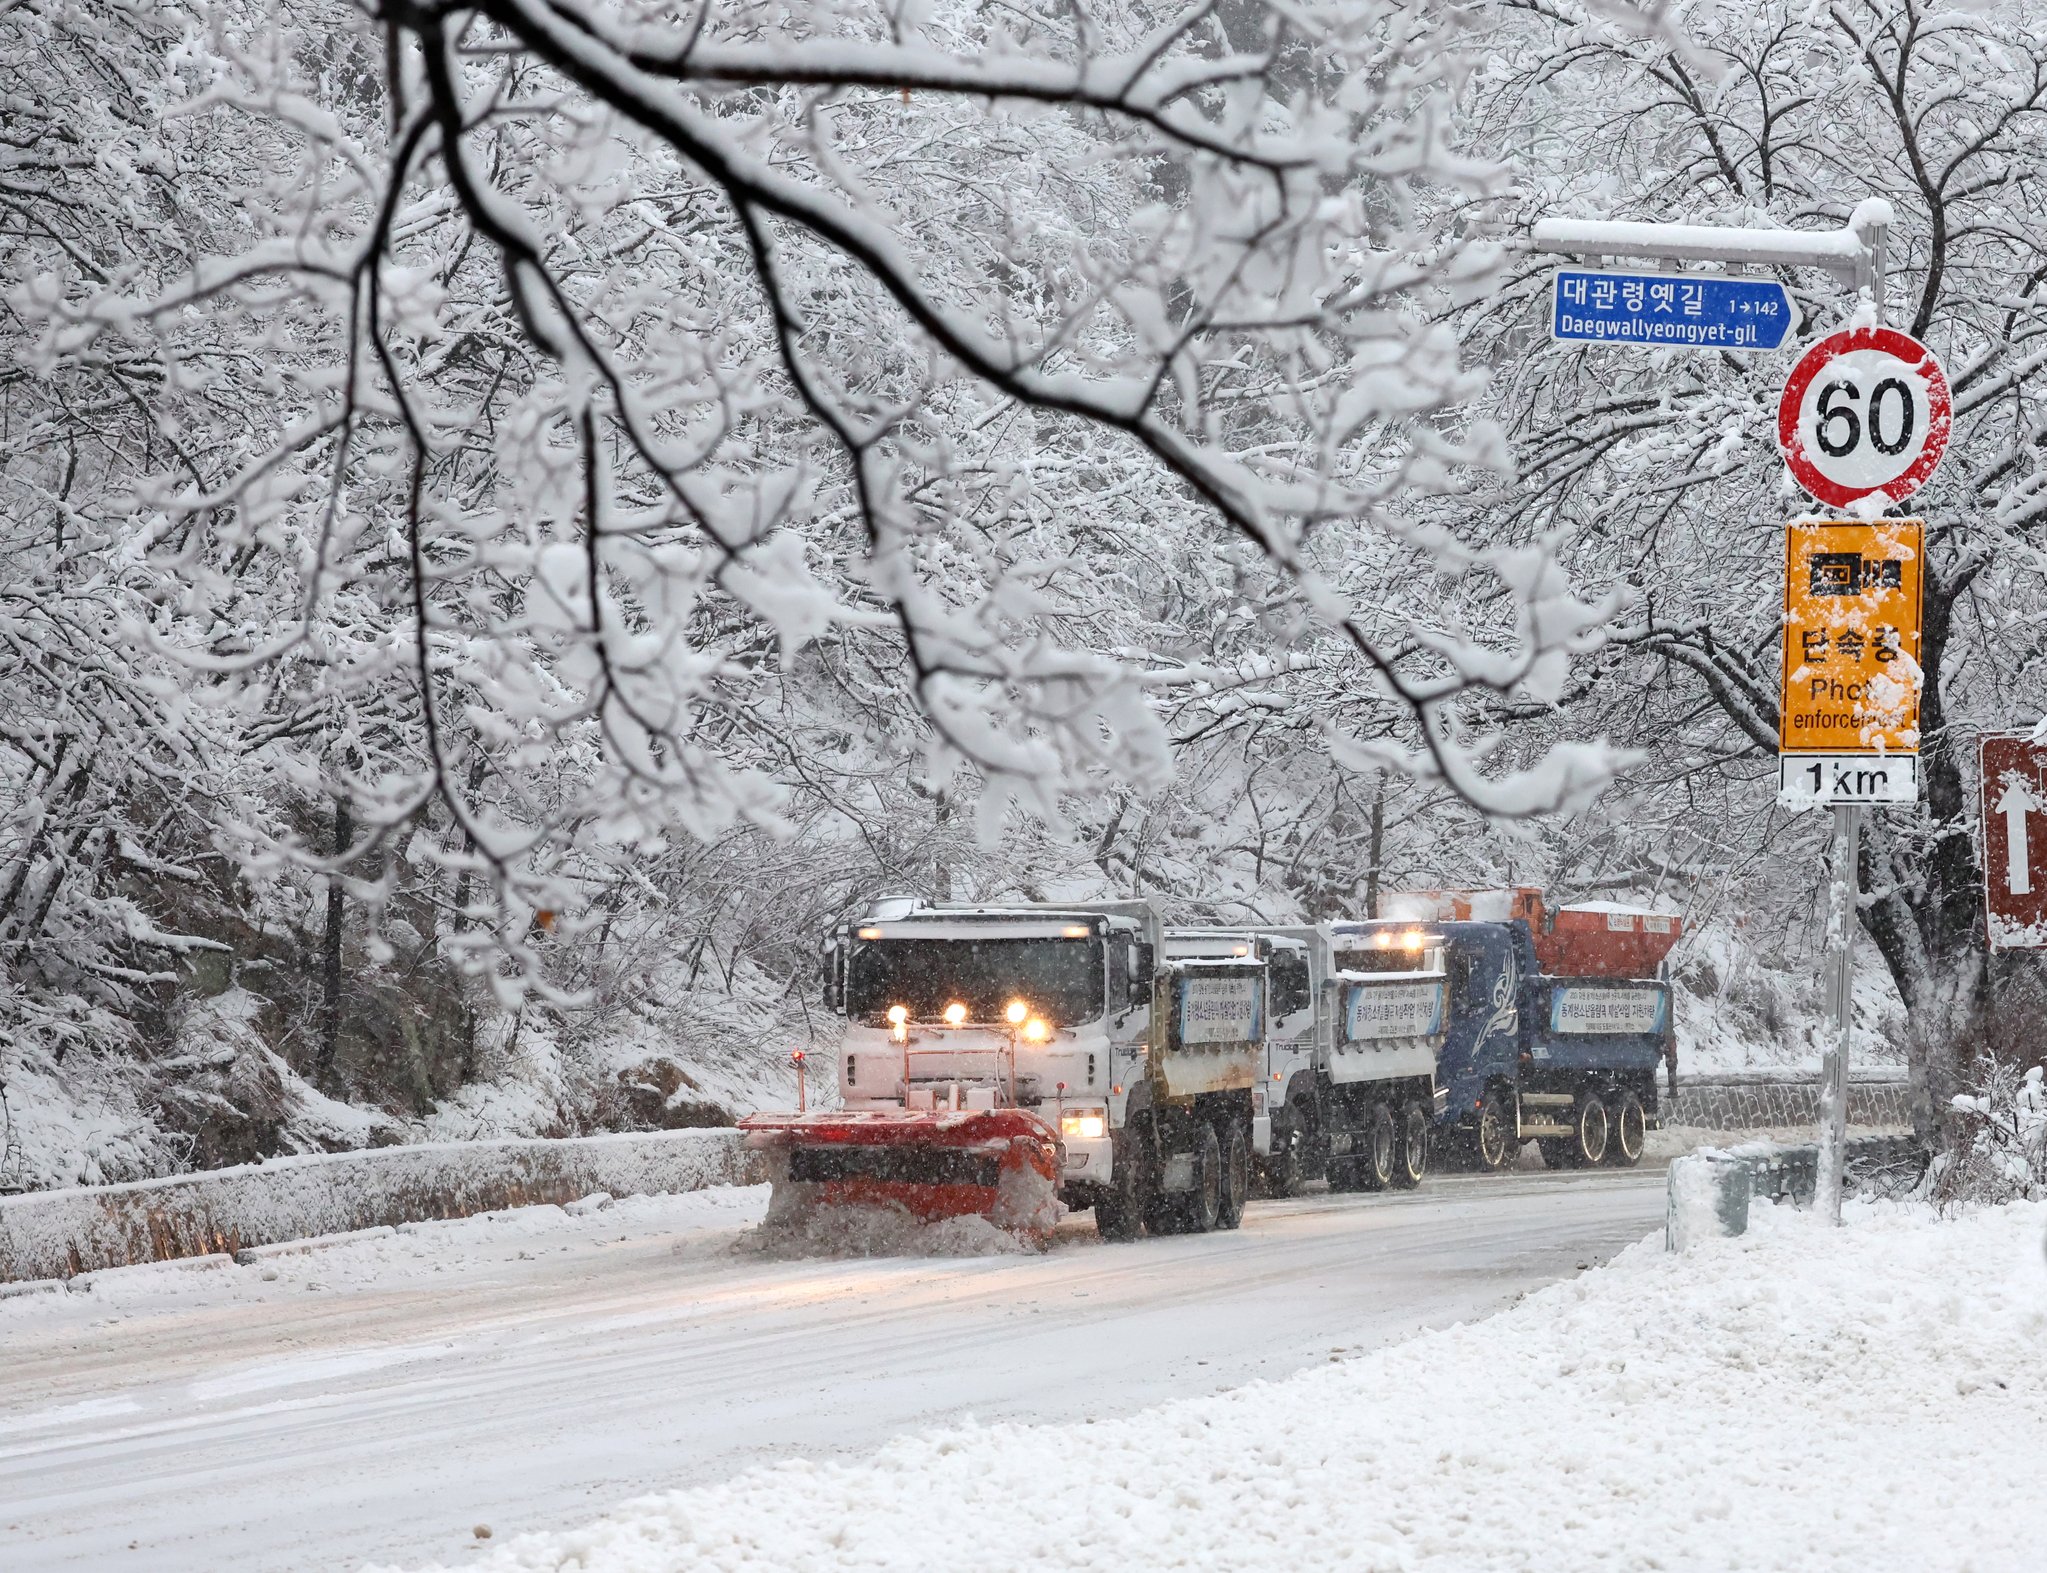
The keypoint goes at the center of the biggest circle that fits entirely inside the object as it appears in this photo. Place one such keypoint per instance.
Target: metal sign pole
(1841, 918)
(1843, 904)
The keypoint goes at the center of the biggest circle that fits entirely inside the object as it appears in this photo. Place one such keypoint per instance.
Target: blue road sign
(1701, 311)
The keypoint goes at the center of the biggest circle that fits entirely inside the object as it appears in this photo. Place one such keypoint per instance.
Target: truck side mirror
(1142, 965)
(835, 977)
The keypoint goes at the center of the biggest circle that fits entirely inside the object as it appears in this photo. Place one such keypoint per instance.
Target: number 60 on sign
(1865, 413)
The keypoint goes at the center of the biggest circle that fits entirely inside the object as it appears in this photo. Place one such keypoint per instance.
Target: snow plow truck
(1015, 1061)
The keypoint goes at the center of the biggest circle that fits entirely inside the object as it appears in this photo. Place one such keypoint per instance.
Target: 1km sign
(1848, 721)
(1864, 413)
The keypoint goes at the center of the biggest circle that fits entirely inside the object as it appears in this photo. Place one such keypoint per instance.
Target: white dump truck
(995, 1058)
(1294, 1030)
(1350, 1089)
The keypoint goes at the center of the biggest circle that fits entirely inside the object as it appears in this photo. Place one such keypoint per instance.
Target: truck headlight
(1086, 1125)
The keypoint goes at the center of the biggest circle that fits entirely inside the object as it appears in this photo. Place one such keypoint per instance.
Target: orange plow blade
(1002, 1164)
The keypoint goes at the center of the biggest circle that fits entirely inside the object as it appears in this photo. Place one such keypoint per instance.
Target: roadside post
(1862, 422)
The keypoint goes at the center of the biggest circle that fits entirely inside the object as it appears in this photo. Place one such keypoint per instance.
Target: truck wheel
(1493, 1142)
(1236, 1176)
(1281, 1173)
(1414, 1147)
(1591, 1125)
(1630, 1132)
(1382, 1149)
(1199, 1208)
(1120, 1209)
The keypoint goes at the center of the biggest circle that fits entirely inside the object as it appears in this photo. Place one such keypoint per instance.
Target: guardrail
(59, 1234)
(1710, 1191)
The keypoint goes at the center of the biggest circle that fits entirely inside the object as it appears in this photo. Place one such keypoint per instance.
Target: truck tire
(1382, 1149)
(1200, 1207)
(1591, 1128)
(1630, 1132)
(1236, 1175)
(1492, 1144)
(1414, 1147)
(1280, 1175)
(1120, 1208)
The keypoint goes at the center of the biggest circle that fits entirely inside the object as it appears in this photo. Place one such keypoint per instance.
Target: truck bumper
(1088, 1162)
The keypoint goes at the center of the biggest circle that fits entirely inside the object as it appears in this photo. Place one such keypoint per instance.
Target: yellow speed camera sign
(1851, 637)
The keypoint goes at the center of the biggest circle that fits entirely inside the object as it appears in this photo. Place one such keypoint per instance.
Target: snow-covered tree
(1660, 469)
(657, 404)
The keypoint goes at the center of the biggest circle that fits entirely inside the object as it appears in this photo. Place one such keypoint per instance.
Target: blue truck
(1569, 1061)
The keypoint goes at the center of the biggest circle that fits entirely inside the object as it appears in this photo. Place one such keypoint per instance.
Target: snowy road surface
(531, 1370)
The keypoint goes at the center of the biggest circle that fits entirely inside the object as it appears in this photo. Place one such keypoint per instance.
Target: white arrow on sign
(2014, 803)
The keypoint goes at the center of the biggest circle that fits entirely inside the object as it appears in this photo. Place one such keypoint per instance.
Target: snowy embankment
(50, 1234)
(1799, 1397)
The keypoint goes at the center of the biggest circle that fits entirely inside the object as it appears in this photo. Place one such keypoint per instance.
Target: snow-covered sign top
(1865, 414)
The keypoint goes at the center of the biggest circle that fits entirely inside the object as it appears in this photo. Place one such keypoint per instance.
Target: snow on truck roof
(1610, 906)
(1425, 975)
(994, 928)
(1176, 938)
(932, 922)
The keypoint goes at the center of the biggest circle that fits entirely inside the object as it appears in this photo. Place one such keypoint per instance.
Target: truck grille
(903, 1165)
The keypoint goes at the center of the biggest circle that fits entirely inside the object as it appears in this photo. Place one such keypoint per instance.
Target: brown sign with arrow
(2015, 841)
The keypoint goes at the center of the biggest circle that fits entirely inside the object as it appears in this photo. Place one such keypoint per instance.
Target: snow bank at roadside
(488, 1246)
(1853, 1399)
(48, 1234)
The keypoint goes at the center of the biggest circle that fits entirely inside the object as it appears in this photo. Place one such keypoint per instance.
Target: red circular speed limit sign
(1864, 412)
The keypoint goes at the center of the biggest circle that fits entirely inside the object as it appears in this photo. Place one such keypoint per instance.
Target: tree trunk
(330, 1004)
(1377, 847)
(941, 824)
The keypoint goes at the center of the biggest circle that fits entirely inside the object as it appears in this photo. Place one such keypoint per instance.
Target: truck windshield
(1059, 979)
(1397, 958)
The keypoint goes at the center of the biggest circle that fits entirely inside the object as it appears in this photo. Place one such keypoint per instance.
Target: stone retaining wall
(1746, 1101)
(57, 1234)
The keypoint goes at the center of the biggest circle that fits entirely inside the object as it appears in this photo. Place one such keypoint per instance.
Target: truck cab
(1043, 1008)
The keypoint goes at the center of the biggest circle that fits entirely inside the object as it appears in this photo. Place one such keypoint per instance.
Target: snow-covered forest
(521, 514)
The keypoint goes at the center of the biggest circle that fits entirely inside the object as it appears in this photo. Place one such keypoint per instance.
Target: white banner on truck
(1218, 1010)
(1573, 1007)
(1392, 1010)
